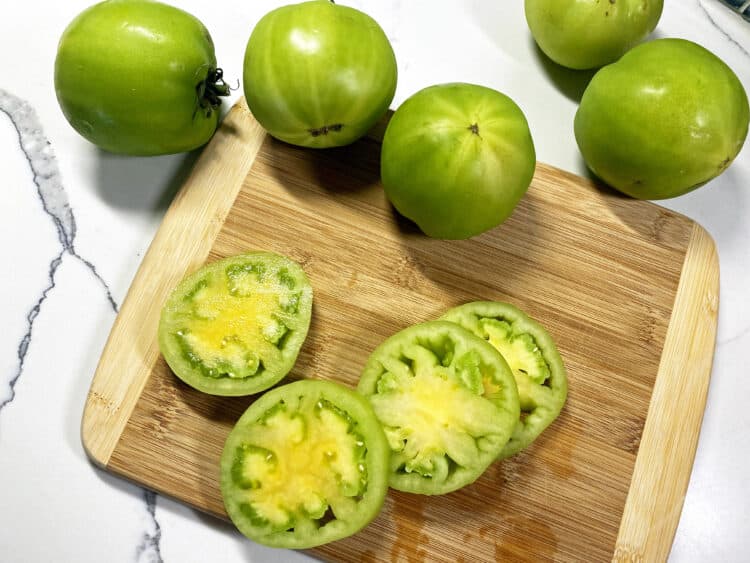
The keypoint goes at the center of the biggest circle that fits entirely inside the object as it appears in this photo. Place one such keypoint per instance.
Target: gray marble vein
(721, 30)
(54, 200)
(23, 346)
(149, 550)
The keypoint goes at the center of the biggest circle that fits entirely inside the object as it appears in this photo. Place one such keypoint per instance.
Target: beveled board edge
(197, 214)
(668, 443)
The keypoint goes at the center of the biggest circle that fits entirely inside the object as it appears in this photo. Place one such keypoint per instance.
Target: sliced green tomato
(235, 327)
(448, 404)
(532, 355)
(305, 465)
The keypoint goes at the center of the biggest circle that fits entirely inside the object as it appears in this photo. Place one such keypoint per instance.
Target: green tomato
(582, 34)
(447, 401)
(663, 120)
(532, 356)
(317, 74)
(456, 159)
(235, 327)
(139, 77)
(305, 465)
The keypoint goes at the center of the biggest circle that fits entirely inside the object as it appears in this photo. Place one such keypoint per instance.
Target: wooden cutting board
(629, 291)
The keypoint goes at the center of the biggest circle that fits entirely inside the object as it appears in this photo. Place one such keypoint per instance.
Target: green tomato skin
(584, 34)
(126, 77)
(318, 74)
(456, 159)
(663, 120)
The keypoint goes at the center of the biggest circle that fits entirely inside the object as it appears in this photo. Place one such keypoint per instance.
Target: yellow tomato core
(226, 326)
(243, 317)
(430, 414)
(314, 464)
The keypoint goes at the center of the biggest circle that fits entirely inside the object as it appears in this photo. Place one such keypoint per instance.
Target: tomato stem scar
(336, 127)
(211, 90)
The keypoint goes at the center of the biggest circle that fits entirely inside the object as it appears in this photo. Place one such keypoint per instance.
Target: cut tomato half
(305, 465)
(448, 404)
(235, 327)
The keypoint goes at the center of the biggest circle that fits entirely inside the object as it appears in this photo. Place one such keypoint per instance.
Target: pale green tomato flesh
(532, 356)
(235, 327)
(584, 34)
(447, 402)
(306, 465)
(663, 120)
(126, 77)
(456, 159)
(318, 74)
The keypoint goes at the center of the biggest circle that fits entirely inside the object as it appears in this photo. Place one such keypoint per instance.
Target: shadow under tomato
(717, 206)
(489, 266)
(341, 172)
(502, 23)
(704, 205)
(142, 183)
(224, 411)
(571, 83)
(406, 227)
(598, 184)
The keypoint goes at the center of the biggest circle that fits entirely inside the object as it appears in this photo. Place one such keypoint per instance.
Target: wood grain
(657, 492)
(627, 289)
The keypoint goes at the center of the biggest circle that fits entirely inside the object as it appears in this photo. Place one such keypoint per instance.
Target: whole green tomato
(663, 120)
(318, 74)
(139, 77)
(456, 159)
(582, 34)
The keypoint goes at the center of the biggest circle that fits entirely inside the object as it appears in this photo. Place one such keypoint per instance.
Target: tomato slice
(532, 355)
(448, 404)
(305, 465)
(235, 327)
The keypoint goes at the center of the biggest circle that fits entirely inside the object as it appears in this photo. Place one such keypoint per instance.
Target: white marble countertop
(77, 222)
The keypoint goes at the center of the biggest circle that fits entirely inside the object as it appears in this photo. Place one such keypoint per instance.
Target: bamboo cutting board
(629, 291)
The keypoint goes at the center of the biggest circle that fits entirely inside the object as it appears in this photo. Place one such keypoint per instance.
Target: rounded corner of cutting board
(113, 393)
(668, 444)
(104, 413)
(95, 449)
(703, 247)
